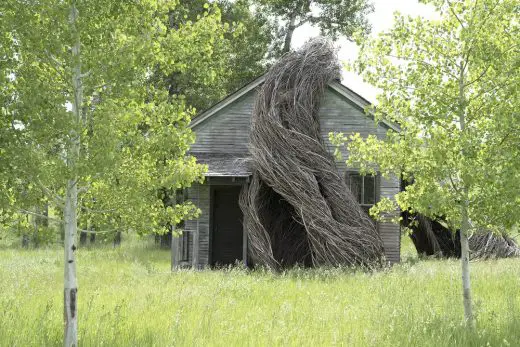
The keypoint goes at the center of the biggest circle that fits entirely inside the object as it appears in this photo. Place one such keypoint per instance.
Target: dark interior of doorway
(226, 226)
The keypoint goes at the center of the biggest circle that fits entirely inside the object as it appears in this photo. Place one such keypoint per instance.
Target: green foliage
(232, 55)
(133, 135)
(252, 46)
(334, 18)
(129, 297)
(452, 85)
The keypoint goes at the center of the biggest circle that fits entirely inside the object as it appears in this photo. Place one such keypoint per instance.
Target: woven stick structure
(432, 238)
(490, 245)
(297, 208)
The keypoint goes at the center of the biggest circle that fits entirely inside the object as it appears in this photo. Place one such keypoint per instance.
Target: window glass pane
(355, 181)
(370, 190)
(185, 252)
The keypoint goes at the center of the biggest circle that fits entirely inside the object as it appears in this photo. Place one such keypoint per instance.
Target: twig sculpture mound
(431, 238)
(489, 245)
(297, 208)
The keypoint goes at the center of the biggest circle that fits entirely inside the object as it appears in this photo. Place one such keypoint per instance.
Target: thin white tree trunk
(70, 312)
(175, 256)
(464, 228)
(70, 285)
(464, 259)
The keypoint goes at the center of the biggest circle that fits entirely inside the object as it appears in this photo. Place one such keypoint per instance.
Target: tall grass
(128, 297)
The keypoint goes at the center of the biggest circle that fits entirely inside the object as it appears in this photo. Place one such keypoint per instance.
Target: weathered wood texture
(390, 232)
(227, 132)
(337, 114)
(198, 229)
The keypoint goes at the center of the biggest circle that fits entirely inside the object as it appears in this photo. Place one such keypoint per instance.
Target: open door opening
(226, 227)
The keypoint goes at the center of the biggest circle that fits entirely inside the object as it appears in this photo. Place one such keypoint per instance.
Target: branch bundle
(490, 245)
(297, 208)
(432, 238)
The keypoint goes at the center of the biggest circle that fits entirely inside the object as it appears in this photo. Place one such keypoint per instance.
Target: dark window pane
(370, 190)
(185, 251)
(356, 182)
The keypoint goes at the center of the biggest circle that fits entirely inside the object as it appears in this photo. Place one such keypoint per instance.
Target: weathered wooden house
(217, 237)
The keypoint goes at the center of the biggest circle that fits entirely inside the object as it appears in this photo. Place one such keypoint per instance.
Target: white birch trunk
(464, 228)
(175, 256)
(70, 285)
(464, 259)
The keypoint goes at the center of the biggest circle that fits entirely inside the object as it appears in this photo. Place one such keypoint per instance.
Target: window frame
(185, 246)
(377, 185)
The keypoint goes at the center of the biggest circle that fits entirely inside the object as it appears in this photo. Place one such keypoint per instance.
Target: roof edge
(360, 102)
(227, 101)
(340, 88)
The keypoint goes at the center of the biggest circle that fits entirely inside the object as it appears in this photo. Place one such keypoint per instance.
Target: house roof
(343, 90)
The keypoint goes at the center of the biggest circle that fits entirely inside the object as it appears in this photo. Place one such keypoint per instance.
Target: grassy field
(128, 297)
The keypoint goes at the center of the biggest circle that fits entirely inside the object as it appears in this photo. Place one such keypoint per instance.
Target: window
(185, 242)
(364, 189)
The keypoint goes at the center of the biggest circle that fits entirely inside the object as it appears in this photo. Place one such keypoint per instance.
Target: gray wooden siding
(198, 194)
(227, 132)
(339, 115)
(390, 232)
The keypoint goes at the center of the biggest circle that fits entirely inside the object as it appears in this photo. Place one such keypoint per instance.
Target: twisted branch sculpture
(431, 238)
(297, 208)
(490, 245)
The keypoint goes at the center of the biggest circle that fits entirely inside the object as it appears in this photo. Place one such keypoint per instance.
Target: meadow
(128, 297)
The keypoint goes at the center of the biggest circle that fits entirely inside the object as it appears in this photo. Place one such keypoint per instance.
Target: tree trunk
(464, 259)
(70, 280)
(25, 240)
(70, 298)
(83, 238)
(175, 256)
(45, 221)
(289, 34)
(464, 228)
(41, 221)
(36, 221)
(92, 235)
(117, 239)
(25, 236)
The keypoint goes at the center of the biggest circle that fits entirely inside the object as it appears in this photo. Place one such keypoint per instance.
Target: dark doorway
(227, 230)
